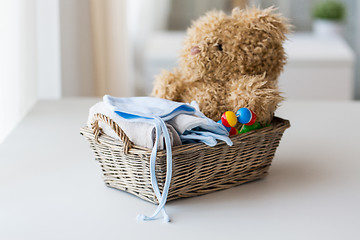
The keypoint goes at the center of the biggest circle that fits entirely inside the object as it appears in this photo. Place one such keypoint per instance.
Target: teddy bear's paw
(167, 85)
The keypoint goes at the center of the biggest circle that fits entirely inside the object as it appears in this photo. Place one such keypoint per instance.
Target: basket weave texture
(197, 169)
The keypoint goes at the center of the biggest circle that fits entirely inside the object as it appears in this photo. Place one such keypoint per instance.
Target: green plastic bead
(246, 128)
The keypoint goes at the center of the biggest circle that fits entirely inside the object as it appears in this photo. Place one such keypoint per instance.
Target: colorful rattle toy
(229, 119)
(243, 121)
(246, 116)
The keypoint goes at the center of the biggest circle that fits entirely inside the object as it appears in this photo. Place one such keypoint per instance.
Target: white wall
(77, 74)
(65, 61)
(18, 61)
(65, 49)
(48, 45)
(357, 50)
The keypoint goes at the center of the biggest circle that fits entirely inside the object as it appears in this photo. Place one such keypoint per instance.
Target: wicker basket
(197, 169)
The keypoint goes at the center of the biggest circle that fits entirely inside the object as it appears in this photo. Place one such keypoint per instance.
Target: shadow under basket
(197, 168)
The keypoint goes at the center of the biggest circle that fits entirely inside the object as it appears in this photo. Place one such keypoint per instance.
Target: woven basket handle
(96, 130)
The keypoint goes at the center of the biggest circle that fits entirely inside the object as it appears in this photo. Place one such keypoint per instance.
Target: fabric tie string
(160, 127)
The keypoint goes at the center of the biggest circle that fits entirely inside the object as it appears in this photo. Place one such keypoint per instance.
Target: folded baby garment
(198, 128)
(165, 117)
(139, 133)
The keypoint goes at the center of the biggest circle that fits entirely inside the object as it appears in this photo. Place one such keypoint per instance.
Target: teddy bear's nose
(195, 50)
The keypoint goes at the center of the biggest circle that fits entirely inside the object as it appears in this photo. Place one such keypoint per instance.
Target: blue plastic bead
(244, 115)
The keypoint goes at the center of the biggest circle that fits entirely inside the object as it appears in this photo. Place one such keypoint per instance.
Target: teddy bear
(229, 62)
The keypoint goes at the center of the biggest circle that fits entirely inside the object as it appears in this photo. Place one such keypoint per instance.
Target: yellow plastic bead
(229, 119)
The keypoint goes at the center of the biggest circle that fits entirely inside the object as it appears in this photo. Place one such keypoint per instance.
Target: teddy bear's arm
(168, 85)
(258, 93)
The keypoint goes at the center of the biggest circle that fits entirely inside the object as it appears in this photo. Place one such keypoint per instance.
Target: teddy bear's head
(249, 42)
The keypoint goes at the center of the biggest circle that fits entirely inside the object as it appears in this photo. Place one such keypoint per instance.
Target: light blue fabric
(184, 123)
(195, 138)
(139, 108)
(157, 111)
(206, 137)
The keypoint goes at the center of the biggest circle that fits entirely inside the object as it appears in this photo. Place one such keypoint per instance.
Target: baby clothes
(140, 115)
(139, 133)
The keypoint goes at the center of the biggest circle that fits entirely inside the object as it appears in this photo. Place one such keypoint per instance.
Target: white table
(51, 187)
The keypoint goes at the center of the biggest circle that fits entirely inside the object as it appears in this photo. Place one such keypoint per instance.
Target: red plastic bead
(253, 119)
(233, 131)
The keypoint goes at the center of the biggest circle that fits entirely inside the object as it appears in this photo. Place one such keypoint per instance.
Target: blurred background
(52, 49)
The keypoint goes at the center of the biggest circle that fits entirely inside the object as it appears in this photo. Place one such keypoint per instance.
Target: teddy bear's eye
(219, 47)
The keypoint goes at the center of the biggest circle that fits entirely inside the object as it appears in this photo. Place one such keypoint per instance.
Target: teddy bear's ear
(264, 20)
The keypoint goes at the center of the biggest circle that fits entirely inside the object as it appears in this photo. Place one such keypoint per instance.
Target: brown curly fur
(242, 74)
